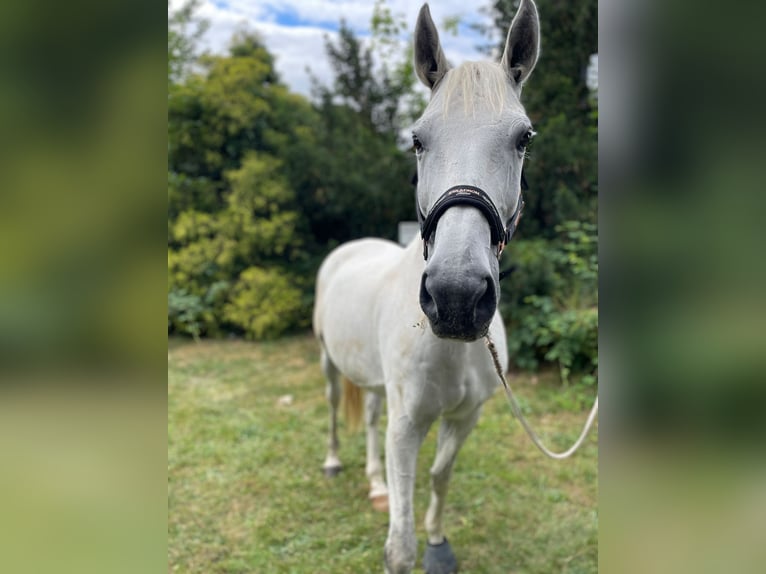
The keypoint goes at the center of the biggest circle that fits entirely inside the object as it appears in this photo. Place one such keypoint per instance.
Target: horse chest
(443, 388)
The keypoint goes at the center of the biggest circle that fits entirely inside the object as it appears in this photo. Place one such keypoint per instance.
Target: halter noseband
(474, 197)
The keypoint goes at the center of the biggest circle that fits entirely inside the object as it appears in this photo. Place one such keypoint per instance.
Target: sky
(294, 30)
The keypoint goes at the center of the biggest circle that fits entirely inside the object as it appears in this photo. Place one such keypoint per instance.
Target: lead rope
(517, 412)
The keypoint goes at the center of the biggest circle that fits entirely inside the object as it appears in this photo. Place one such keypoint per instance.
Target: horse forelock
(477, 84)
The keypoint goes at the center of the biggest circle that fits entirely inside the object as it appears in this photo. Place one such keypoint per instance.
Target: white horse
(407, 323)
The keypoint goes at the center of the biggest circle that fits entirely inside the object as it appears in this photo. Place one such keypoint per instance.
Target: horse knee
(440, 478)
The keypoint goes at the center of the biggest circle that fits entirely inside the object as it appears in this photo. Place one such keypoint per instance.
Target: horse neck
(412, 258)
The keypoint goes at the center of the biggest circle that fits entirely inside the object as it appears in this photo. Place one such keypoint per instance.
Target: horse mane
(473, 81)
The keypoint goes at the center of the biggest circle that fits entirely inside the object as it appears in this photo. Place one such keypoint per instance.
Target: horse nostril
(487, 303)
(427, 302)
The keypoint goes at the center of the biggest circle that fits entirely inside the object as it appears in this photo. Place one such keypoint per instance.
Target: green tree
(397, 64)
(364, 188)
(358, 83)
(377, 80)
(216, 115)
(232, 206)
(184, 32)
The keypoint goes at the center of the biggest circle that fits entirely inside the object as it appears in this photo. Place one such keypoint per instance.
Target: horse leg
(439, 558)
(403, 440)
(332, 465)
(374, 469)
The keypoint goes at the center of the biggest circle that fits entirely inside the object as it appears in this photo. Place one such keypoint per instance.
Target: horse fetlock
(378, 494)
(433, 524)
(378, 488)
(398, 557)
(331, 466)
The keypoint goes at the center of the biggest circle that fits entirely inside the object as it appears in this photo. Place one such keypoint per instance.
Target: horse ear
(430, 63)
(523, 43)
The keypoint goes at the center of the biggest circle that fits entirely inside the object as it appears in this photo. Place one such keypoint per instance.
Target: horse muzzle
(458, 307)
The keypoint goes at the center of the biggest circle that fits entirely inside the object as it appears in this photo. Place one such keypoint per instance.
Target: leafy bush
(264, 303)
(195, 313)
(208, 252)
(551, 301)
(567, 337)
(197, 288)
(185, 312)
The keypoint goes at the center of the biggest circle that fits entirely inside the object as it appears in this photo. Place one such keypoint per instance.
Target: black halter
(474, 197)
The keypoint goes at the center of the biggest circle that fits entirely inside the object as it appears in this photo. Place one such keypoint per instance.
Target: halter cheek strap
(473, 197)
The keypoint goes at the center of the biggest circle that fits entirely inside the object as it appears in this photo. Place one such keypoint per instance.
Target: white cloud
(298, 46)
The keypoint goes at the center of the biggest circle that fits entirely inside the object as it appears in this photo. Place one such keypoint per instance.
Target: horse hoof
(380, 503)
(331, 471)
(439, 559)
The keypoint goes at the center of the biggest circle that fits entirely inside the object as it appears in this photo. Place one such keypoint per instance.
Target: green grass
(246, 493)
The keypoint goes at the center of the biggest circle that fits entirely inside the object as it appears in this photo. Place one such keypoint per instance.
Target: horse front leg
(403, 440)
(439, 558)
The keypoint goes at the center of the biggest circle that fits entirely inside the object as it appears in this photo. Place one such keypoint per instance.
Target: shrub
(185, 312)
(263, 303)
(194, 313)
(550, 302)
(208, 252)
(568, 338)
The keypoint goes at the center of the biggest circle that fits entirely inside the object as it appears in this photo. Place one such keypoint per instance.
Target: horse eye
(416, 145)
(525, 139)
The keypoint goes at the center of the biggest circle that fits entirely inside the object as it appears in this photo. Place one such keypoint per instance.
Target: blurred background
(263, 179)
(82, 274)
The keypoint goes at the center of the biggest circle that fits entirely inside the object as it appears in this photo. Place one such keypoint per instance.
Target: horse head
(470, 145)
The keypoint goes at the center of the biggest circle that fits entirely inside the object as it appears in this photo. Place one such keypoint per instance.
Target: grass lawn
(246, 492)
